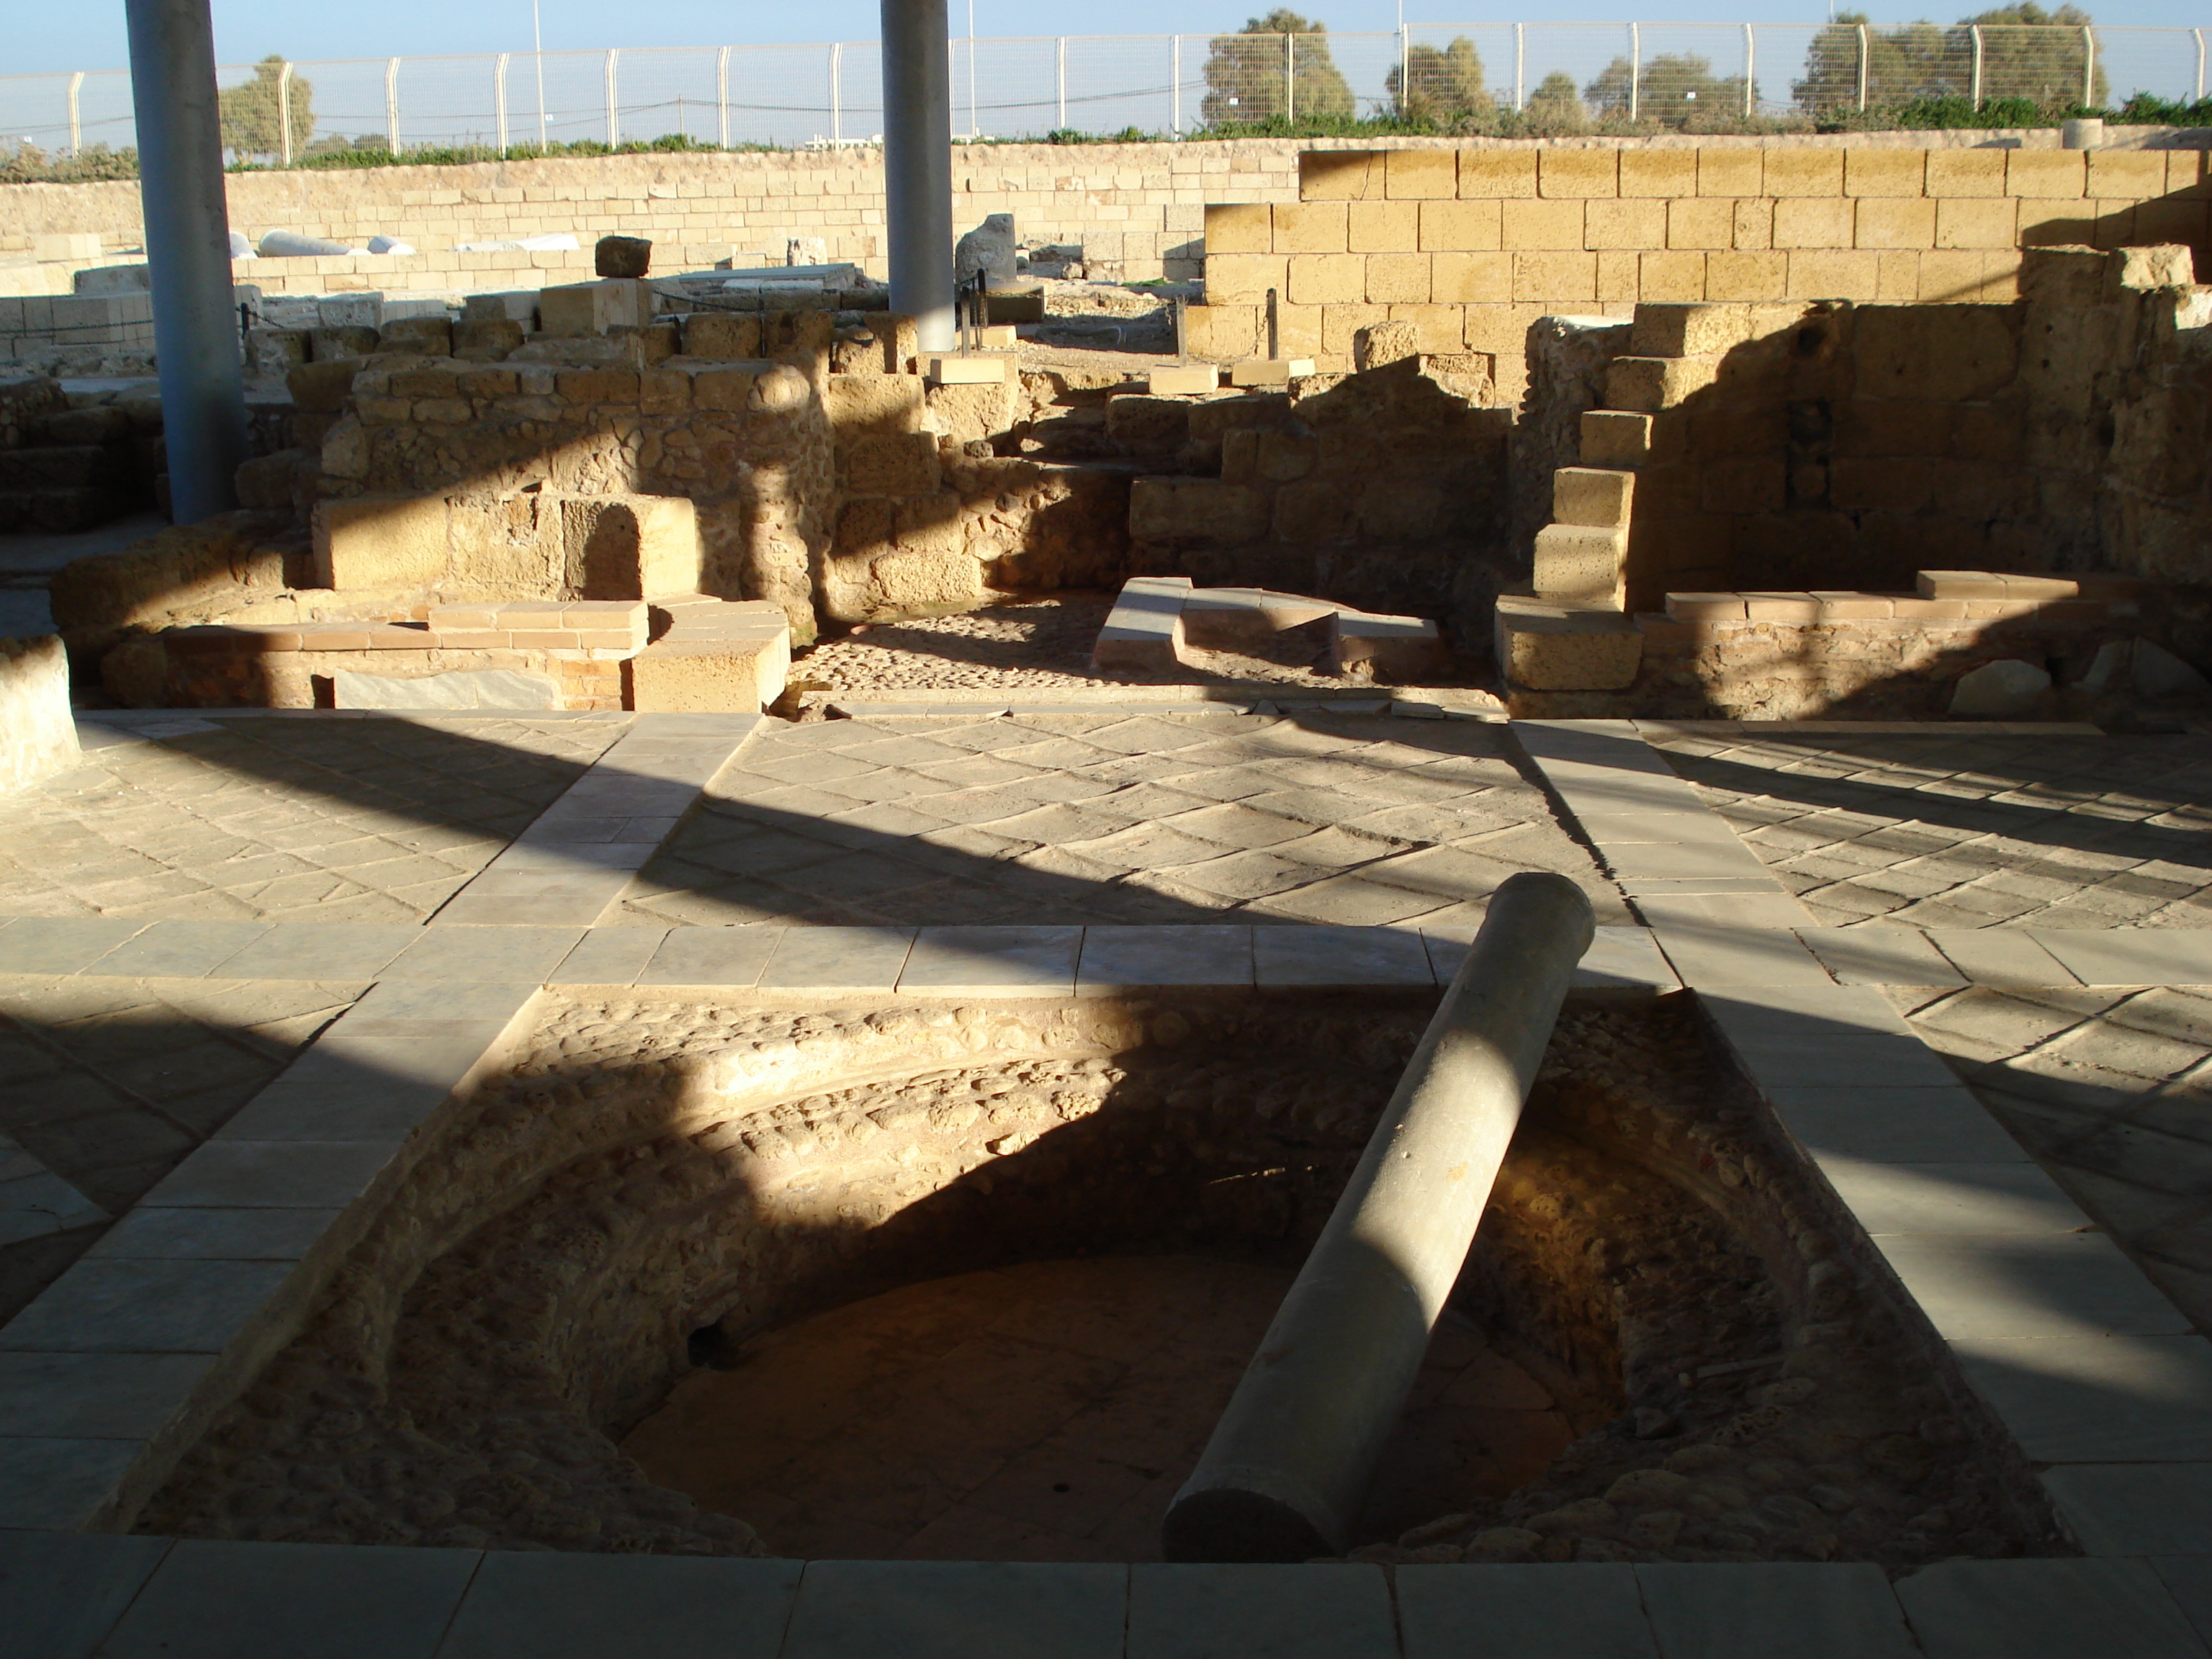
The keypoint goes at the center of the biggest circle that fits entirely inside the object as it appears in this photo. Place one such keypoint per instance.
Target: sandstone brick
(1951, 353)
(1594, 496)
(1671, 276)
(1496, 173)
(1948, 277)
(1231, 278)
(1659, 172)
(2133, 174)
(1698, 221)
(1896, 278)
(1619, 278)
(1582, 562)
(1397, 278)
(368, 541)
(1614, 438)
(873, 403)
(573, 309)
(710, 676)
(1222, 333)
(724, 389)
(1807, 221)
(1802, 172)
(1457, 227)
(1186, 511)
(1472, 278)
(1753, 223)
(1647, 384)
(1340, 325)
(1322, 279)
(2141, 268)
(1340, 175)
(1745, 485)
(1236, 228)
(889, 464)
(1663, 329)
(1415, 174)
(1309, 227)
(1892, 172)
(1540, 224)
(1625, 224)
(1734, 172)
(1554, 279)
(1547, 647)
(2189, 173)
(1895, 221)
(2050, 174)
(1386, 227)
(1578, 172)
(2173, 221)
(1976, 221)
(1965, 172)
(1437, 328)
(1818, 274)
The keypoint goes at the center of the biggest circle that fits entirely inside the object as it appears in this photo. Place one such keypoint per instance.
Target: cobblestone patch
(365, 821)
(1948, 831)
(108, 1083)
(2111, 1091)
(1346, 819)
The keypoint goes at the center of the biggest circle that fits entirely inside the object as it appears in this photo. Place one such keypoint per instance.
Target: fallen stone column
(1285, 1473)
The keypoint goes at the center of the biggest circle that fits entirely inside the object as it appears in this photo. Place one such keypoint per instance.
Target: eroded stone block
(368, 541)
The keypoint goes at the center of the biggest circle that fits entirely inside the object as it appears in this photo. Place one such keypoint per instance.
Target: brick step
(61, 511)
(55, 467)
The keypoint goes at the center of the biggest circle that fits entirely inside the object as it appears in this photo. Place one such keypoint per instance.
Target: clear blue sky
(91, 37)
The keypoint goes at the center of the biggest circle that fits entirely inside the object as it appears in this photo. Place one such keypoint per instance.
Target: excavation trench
(975, 1282)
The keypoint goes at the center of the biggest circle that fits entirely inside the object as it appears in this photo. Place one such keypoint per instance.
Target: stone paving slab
(2045, 1610)
(576, 1606)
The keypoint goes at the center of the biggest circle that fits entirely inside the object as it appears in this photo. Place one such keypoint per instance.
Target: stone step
(77, 506)
(102, 423)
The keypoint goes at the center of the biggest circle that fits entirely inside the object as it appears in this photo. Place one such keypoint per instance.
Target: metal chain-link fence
(1685, 75)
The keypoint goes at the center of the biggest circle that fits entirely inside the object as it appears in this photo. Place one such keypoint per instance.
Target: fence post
(284, 113)
(1750, 68)
(1175, 78)
(1976, 89)
(1290, 77)
(614, 108)
(498, 100)
(1862, 65)
(392, 106)
(837, 102)
(1405, 68)
(1520, 67)
(1635, 70)
(76, 129)
(722, 96)
(2199, 34)
(2088, 68)
(1059, 76)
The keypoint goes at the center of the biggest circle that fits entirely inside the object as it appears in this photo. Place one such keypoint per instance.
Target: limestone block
(424, 336)
(1384, 342)
(739, 675)
(1238, 227)
(1547, 646)
(322, 388)
(2000, 688)
(573, 310)
(889, 464)
(486, 339)
(979, 368)
(515, 305)
(1270, 371)
(1614, 437)
(1202, 510)
(468, 688)
(1222, 333)
(1645, 384)
(622, 256)
(629, 547)
(1161, 425)
(857, 404)
(1309, 227)
(1583, 562)
(724, 336)
(2167, 266)
(1339, 176)
(37, 732)
(2157, 673)
(1598, 496)
(1951, 353)
(1404, 649)
(1183, 379)
(1411, 174)
(922, 579)
(966, 414)
(1691, 330)
(368, 541)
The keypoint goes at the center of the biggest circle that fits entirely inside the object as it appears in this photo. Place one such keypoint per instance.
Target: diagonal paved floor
(1359, 820)
(1971, 831)
(345, 820)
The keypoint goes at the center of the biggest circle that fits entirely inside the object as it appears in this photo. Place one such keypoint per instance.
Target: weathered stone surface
(37, 732)
(2004, 688)
(622, 256)
(322, 386)
(482, 688)
(380, 542)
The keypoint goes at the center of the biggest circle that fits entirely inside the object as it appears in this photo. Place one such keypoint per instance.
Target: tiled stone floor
(1969, 831)
(1348, 819)
(108, 1083)
(2112, 1091)
(375, 821)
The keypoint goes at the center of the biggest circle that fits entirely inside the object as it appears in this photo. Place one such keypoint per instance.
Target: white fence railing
(791, 96)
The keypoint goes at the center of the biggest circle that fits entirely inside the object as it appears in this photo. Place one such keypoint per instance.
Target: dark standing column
(918, 167)
(196, 333)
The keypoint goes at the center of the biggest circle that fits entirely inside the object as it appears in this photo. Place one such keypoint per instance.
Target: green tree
(1247, 74)
(1440, 86)
(1556, 106)
(1671, 88)
(2026, 53)
(252, 117)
